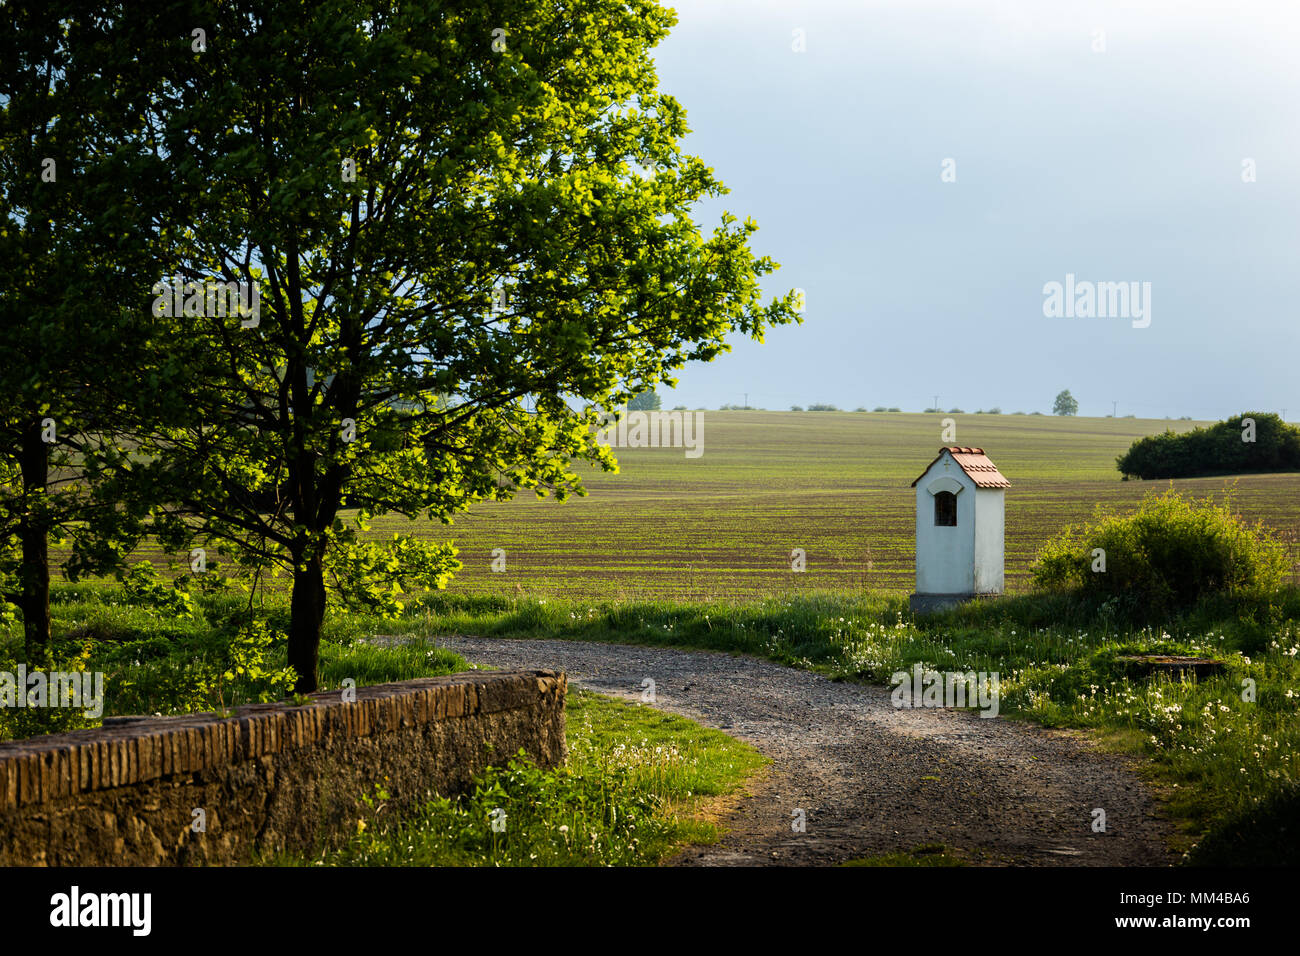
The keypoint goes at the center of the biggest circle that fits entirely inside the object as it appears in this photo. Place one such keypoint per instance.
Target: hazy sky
(1124, 165)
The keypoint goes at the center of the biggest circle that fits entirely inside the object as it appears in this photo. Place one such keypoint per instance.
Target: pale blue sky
(1122, 165)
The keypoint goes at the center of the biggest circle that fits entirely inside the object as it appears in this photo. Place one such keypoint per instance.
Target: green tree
(647, 401)
(1250, 442)
(76, 242)
(484, 203)
(1065, 404)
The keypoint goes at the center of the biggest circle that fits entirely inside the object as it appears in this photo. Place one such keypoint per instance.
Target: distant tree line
(1251, 442)
(1064, 404)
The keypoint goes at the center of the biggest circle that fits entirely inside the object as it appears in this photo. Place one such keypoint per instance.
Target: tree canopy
(408, 243)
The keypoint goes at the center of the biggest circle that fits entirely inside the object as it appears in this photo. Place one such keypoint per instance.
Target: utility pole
(747, 401)
(1113, 409)
(936, 403)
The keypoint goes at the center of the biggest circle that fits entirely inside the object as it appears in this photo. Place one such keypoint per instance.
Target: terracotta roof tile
(975, 463)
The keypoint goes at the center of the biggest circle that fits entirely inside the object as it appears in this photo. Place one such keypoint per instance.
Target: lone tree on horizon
(647, 401)
(1065, 404)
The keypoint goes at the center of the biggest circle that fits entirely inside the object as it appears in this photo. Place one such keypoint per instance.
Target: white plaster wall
(990, 522)
(945, 557)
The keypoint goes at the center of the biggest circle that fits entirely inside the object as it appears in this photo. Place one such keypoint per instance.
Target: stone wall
(271, 777)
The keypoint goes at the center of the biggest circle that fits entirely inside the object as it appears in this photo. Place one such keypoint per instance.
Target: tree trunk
(33, 533)
(306, 612)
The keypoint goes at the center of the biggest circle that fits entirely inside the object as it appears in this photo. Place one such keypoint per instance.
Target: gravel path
(869, 777)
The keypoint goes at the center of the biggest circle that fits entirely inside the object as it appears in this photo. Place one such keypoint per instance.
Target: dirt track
(871, 778)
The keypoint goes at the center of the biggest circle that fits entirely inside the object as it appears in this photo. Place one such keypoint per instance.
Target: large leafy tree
(469, 229)
(76, 246)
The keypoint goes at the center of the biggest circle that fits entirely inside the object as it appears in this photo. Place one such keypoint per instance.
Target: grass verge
(637, 785)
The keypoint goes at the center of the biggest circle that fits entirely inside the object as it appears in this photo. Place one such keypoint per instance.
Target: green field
(836, 484)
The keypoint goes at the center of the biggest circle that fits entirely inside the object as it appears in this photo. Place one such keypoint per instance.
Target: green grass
(1228, 765)
(638, 784)
(1225, 763)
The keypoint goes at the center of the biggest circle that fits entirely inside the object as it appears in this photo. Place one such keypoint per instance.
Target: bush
(1167, 554)
(1217, 450)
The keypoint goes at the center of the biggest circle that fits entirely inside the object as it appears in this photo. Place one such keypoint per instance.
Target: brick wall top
(133, 750)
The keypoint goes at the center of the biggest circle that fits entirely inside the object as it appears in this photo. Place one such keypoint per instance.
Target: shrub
(1217, 450)
(17, 723)
(144, 588)
(1168, 553)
